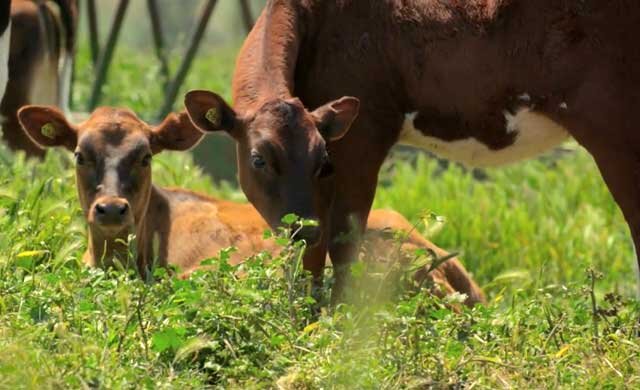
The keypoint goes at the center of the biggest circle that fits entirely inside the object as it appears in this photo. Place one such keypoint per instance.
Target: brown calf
(113, 150)
(484, 82)
(40, 62)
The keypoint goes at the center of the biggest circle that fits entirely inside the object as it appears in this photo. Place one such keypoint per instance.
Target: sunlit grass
(542, 221)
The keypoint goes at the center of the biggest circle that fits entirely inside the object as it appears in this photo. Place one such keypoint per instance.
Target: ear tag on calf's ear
(48, 130)
(213, 117)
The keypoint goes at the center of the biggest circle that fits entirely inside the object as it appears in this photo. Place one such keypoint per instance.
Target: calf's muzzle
(111, 211)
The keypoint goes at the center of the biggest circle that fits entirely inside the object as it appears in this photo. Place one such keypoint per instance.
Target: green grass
(533, 224)
(536, 236)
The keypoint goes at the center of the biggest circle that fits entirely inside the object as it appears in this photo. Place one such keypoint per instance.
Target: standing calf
(113, 151)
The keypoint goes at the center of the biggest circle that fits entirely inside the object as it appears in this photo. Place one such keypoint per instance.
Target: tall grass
(533, 224)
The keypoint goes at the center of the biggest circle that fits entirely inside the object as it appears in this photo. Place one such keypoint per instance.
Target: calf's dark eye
(79, 158)
(326, 169)
(257, 161)
(146, 160)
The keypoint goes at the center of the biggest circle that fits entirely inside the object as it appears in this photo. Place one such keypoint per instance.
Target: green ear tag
(212, 116)
(48, 130)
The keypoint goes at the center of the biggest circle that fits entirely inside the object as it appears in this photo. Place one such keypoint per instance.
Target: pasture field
(543, 238)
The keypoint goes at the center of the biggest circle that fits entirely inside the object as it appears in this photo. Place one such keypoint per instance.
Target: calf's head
(284, 165)
(113, 151)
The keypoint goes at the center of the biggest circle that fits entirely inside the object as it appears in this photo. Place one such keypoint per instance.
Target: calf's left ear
(176, 132)
(48, 127)
(334, 119)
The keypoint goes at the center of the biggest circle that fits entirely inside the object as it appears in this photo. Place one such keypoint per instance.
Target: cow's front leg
(620, 167)
(358, 160)
(347, 226)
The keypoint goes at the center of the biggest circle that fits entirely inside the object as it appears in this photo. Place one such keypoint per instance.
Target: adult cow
(485, 82)
(42, 45)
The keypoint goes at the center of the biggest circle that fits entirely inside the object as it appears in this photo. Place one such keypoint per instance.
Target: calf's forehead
(113, 131)
(108, 144)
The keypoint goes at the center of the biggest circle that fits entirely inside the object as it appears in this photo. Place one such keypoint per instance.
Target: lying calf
(113, 151)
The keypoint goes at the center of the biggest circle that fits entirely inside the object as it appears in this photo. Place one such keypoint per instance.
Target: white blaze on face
(536, 133)
(5, 40)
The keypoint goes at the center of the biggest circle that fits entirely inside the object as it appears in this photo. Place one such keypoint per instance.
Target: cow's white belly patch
(536, 133)
(5, 41)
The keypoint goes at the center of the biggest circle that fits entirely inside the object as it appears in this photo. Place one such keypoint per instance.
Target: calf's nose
(111, 211)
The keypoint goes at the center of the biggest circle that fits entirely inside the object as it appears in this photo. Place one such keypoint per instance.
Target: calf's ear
(176, 132)
(334, 119)
(209, 112)
(48, 127)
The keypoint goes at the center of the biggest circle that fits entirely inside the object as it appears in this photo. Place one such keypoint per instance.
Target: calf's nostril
(123, 209)
(100, 209)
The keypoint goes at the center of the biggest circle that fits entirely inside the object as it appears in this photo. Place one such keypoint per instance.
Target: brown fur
(175, 226)
(458, 64)
(42, 44)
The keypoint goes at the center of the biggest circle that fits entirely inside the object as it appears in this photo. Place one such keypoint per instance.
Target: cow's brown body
(482, 81)
(175, 226)
(40, 62)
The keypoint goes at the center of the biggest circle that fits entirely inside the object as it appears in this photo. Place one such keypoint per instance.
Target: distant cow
(484, 82)
(113, 151)
(5, 37)
(43, 35)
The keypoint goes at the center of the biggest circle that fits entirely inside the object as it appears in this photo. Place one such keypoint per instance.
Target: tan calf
(113, 151)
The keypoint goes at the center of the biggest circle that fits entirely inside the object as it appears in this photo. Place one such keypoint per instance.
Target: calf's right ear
(48, 127)
(209, 112)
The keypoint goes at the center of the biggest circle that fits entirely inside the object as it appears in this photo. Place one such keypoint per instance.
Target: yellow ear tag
(49, 130)
(212, 116)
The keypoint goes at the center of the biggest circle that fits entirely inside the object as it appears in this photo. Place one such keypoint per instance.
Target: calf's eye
(146, 160)
(79, 158)
(257, 161)
(326, 168)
